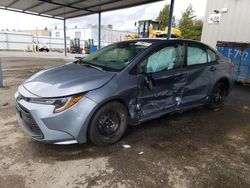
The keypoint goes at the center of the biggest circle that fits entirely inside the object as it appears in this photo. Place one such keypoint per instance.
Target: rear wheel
(218, 96)
(108, 124)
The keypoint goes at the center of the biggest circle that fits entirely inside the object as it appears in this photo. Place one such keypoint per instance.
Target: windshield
(154, 25)
(141, 30)
(116, 56)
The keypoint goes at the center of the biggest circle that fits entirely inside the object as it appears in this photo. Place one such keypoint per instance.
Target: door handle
(149, 81)
(212, 68)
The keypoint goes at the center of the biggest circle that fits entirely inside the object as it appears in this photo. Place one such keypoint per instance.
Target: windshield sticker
(143, 43)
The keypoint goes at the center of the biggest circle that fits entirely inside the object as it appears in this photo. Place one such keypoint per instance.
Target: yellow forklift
(151, 29)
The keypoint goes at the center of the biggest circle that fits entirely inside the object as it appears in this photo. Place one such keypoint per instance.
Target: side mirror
(135, 24)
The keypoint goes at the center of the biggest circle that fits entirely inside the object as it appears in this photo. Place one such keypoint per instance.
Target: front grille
(28, 122)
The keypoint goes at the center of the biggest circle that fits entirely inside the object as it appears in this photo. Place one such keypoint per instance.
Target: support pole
(170, 19)
(1, 75)
(64, 37)
(99, 30)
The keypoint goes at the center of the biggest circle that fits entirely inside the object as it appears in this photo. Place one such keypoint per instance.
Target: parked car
(95, 98)
(43, 47)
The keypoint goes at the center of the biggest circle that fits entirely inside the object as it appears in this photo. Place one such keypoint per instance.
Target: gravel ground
(199, 148)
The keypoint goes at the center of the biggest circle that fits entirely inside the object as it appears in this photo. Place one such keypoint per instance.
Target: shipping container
(239, 53)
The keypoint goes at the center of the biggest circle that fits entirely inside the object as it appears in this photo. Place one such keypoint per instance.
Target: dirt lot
(199, 148)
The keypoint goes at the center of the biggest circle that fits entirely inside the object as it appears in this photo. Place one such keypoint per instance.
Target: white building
(10, 40)
(22, 40)
(108, 35)
(226, 20)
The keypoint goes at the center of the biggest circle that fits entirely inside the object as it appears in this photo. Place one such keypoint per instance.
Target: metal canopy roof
(65, 9)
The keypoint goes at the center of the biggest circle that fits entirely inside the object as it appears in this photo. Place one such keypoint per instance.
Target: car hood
(66, 80)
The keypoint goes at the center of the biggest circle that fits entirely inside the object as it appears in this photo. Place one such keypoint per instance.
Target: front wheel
(108, 124)
(218, 96)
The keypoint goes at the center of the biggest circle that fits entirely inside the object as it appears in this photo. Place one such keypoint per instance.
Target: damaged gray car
(95, 98)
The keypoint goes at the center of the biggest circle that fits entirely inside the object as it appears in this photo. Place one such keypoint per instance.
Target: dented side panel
(200, 81)
(166, 94)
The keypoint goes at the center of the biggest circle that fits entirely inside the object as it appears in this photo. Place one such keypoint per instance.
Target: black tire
(218, 96)
(108, 124)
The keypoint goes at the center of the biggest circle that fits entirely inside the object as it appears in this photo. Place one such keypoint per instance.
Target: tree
(190, 27)
(197, 30)
(163, 17)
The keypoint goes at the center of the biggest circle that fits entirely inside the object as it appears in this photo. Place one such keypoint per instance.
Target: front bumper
(42, 124)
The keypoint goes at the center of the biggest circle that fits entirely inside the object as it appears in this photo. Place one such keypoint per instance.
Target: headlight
(60, 104)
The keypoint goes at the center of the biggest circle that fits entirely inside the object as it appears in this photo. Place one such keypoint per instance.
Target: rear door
(163, 81)
(201, 69)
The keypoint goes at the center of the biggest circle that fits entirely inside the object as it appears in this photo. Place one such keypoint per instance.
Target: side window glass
(166, 59)
(211, 55)
(196, 56)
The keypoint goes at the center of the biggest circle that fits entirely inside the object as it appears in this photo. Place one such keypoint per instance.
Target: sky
(123, 19)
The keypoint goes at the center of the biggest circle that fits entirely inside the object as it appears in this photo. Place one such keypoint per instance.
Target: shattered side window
(196, 56)
(167, 58)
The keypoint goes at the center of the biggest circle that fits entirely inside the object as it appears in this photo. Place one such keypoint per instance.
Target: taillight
(231, 65)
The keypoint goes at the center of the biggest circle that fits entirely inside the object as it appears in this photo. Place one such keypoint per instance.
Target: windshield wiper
(98, 67)
(94, 67)
(85, 63)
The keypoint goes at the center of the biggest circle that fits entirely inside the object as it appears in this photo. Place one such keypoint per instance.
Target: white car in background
(43, 47)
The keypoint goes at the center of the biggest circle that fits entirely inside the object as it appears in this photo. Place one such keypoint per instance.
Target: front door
(163, 81)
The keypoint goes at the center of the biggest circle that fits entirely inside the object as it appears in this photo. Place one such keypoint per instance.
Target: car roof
(160, 40)
(163, 39)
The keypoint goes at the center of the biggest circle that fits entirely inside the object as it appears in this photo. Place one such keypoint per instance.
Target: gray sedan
(95, 98)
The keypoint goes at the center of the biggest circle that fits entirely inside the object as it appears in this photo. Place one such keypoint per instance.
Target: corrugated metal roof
(65, 9)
